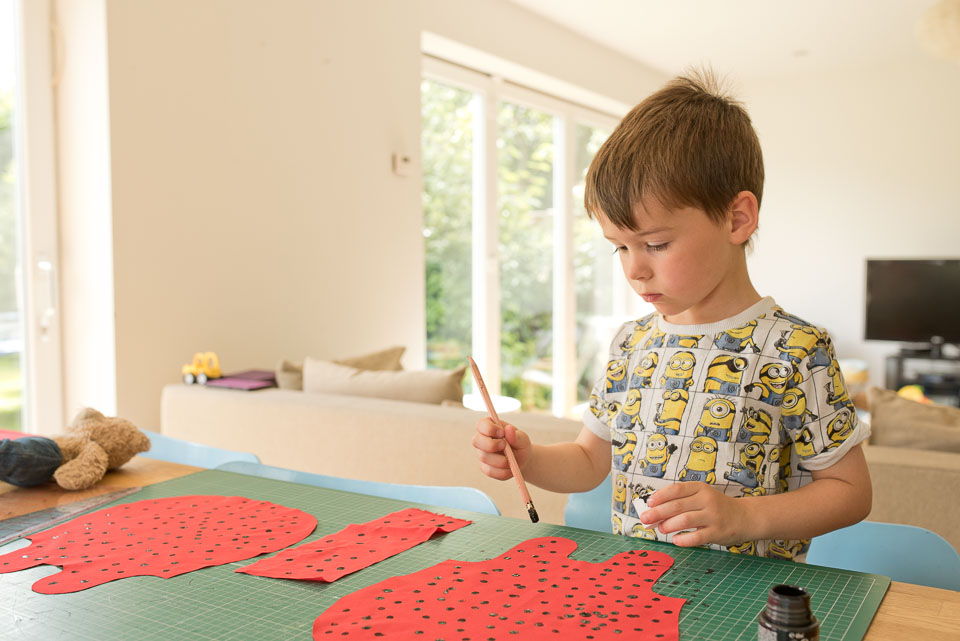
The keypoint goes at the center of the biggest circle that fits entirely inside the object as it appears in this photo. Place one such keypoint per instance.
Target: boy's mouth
(651, 298)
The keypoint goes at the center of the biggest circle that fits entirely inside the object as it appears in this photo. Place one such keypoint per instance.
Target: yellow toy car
(205, 366)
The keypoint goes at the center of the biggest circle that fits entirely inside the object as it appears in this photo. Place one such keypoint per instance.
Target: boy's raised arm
(573, 466)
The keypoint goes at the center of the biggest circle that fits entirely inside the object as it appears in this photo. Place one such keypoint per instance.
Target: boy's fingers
(672, 493)
(487, 444)
(487, 427)
(515, 437)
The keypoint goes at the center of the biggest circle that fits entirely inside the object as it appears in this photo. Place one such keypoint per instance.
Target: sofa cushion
(426, 386)
(901, 422)
(289, 375)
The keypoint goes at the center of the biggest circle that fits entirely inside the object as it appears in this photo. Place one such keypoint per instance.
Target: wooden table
(906, 612)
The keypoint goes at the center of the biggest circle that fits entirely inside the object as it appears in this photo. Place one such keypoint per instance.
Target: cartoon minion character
(783, 472)
(624, 443)
(803, 443)
(611, 411)
(839, 428)
(639, 531)
(655, 339)
(629, 416)
(701, 461)
(670, 411)
(738, 339)
(716, 419)
(797, 343)
(617, 524)
(754, 491)
(620, 494)
(641, 493)
(836, 390)
(795, 412)
(749, 471)
(724, 375)
(616, 376)
(789, 550)
(642, 376)
(747, 547)
(640, 329)
(755, 427)
(774, 381)
(657, 456)
(595, 405)
(688, 341)
(679, 374)
(822, 354)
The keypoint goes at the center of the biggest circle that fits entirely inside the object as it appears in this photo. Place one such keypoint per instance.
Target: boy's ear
(743, 217)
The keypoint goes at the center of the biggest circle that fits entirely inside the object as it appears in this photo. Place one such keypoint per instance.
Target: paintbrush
(511, 459)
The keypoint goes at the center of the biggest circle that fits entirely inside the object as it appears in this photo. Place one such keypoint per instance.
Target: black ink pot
(787, 616)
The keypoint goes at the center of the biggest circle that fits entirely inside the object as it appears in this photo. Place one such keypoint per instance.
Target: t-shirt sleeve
(832, 426)
(596, 416)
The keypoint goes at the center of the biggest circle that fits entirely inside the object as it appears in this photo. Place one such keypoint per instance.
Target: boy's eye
(657, 247)
(617, 250)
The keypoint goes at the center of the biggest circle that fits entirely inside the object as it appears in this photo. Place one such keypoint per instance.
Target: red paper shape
(533, 591)
(158, 537)
(355, 547)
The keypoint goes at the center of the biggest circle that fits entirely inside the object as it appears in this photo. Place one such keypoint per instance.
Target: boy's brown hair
(687, 145)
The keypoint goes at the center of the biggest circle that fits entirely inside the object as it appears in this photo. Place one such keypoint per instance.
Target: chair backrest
(175, 450)
(901, 552)
(463, 498)
(590, 510)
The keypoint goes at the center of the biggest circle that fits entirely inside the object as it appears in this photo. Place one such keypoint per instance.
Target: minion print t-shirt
(749, 405)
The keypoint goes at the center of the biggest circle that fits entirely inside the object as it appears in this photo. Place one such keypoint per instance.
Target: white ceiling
(748, 38)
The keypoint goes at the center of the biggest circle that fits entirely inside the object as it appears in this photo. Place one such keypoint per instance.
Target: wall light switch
(402, 164)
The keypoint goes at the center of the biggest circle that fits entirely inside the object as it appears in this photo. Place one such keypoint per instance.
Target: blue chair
(175, 450)
(590, 510)
(463, 498)
(902, 552)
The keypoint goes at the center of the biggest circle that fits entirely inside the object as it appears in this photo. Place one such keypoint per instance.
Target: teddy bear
(93, 443)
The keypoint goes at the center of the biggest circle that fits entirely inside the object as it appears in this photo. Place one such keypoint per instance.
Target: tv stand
(939, 375)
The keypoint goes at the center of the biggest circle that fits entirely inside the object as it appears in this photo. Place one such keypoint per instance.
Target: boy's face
(683, 263)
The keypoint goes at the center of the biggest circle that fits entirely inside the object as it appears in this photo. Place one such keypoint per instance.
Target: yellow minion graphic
(701, 461)
(657, 456)
(629, 416)
(725, 374)
(775, 379)
(747, 547)
(716, 419)
(836, 390)
(640, 532)
(641, 493)
(795, 412)
(688, 341)
(617, 524)
(612, 409)
(620, 494)
(655, 339)
(756, 426)
(839, 428)
(670, 411)
(617, 376)
(595, 405)
(738, 338)
(754, 491)
(784, 472)
(679, 374)
(803, 443)
(624, 443)
(642, 376)
(749, 471)
(798, 342)
(641, 327)
(788, 549)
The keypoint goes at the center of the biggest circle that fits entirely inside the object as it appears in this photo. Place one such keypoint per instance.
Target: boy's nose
(636, 267)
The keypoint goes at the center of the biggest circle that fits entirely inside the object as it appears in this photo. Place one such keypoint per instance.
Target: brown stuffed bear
(93, 444)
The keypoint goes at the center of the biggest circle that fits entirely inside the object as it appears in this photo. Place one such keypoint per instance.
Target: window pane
(11, 341)
(525, 203)
(447, 144)
(593, 265)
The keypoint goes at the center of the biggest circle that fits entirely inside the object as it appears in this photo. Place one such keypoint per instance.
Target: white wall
(254, 212)
(859, 165)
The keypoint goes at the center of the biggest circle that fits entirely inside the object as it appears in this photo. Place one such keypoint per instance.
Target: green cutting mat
(724, 592)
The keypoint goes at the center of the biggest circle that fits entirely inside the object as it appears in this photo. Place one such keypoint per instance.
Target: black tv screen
(913, 300)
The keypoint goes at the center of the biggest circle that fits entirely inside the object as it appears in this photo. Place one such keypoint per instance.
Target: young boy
(723, 420)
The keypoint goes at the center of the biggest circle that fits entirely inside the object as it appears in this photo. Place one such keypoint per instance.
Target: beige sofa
(405, 442)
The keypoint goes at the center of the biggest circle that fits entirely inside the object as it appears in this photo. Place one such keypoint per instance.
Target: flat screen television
(915, 301)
